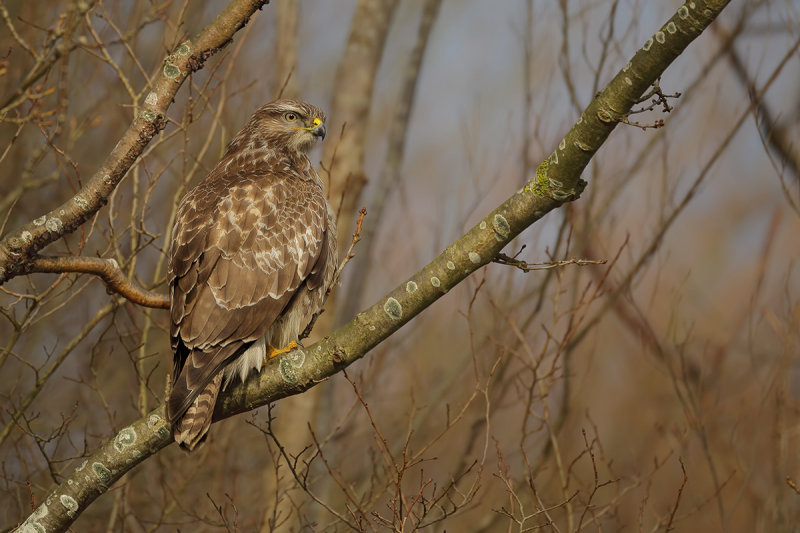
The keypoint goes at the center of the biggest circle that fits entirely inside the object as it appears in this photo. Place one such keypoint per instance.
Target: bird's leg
(274, 352)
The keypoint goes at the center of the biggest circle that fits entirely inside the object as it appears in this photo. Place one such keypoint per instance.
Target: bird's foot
(274, 352)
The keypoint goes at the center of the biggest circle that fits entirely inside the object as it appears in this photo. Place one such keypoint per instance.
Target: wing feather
(243, 245)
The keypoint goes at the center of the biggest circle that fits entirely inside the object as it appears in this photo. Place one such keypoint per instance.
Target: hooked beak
(318, 130)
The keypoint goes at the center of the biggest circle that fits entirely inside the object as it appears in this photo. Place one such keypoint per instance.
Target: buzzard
(252, 257)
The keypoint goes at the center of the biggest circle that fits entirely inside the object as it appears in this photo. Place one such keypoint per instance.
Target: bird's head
(291, 123)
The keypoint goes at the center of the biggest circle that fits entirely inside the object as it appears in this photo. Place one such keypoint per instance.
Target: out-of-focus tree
(630, 361)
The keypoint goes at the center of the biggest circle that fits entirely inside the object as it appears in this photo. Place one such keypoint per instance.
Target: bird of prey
(252, 258)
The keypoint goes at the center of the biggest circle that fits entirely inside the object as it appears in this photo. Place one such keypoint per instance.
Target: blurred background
(659, 389)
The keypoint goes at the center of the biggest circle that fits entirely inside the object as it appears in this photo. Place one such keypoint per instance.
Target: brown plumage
(252, 257)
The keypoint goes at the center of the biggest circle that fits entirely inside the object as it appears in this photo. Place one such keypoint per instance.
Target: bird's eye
(291, 117)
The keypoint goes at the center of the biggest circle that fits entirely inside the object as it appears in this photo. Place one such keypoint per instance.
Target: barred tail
(193, 426)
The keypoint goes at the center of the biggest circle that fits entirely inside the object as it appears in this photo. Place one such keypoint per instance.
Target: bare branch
(503, 259)
(107, 269)
(351, 103)
(678, 497)
(390, 176)
(338, 275)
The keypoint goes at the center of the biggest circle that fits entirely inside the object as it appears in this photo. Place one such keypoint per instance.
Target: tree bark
(344, 156)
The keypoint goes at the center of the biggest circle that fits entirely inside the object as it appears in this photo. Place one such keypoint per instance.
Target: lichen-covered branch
(106, 269)
(557, 181)
(19, 246)
(559, 175)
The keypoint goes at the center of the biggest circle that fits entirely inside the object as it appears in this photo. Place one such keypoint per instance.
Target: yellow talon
(274, 352)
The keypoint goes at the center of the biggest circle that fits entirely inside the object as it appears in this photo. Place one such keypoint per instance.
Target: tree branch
(19, 246)
(355, 79)
(107, 269)
(776, 136)
(557, 181)
(390, 176)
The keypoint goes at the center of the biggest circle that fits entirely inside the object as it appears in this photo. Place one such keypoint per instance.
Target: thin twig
(503, 259)
(678, 497)
(338, 275)
(356, 237)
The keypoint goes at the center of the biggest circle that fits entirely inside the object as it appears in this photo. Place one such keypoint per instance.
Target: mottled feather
(252, 258)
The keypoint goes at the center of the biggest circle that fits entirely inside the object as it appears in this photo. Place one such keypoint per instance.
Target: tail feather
(193, 426)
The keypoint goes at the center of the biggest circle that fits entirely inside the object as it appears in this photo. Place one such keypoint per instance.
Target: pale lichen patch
(475, 257)
(501, 226)
(171, 71)
(153, 420)
(436, 282)
(159, 425)
(648, 45)
(32, 525)
(411, 287)
(482, 225)
(39, 220)
(125, 438)
(151, 99)
(671, 28)
(148, 115)
(289, 365)
(39, 513)
(660, 37)
(54, 224)
(451, 265)
(102, 473)
(393, 308)
(70, 503)
(26, 236)
(582, 146)
(683, 12)
(604, 116)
